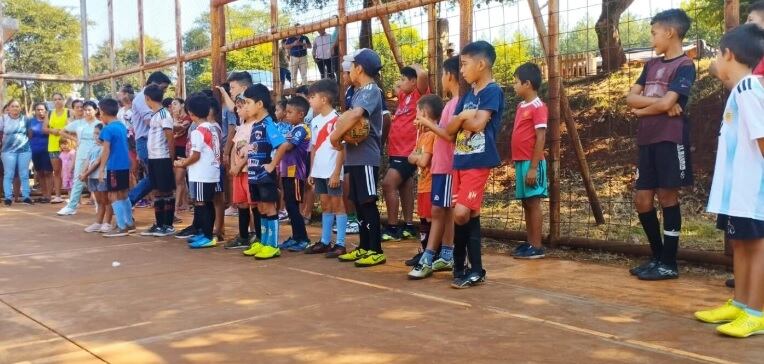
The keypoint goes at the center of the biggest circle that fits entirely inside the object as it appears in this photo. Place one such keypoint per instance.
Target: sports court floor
(63, 301)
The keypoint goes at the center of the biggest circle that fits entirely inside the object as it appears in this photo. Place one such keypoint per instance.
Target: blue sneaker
(299, 246)
(531, 253)
(288, 243)
(520, 248)
(194, 238)
(203, 243)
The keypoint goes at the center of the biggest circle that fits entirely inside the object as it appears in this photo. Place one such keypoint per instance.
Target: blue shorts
(441, 194)
(740, 228)
(522, 190)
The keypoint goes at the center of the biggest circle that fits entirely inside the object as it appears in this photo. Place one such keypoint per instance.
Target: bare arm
(345, 122)
(168, 134)
(538, 149)
(184, 163)
(441, 133)
(478, 121)
(660, 106)
(105, 151)
(424, 160)
(283, 148)
(635, 99)
(422, 80)
(334, 179)
(226, 99)
(454, 126)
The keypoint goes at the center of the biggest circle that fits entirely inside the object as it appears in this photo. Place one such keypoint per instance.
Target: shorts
(41, 161)
(321, 187)
(285, 74)
(94, 185)
(180, 152)
(424, 205)
(118, 180)
(363, 183)
(522, 190)
(441, 194)
(740, 228)
(469, 187)
(264, 192)
(54, 155)
(293, 189)
(402, 165)
(663, 165)
(240, 193)
(202, 191)
(161, 175)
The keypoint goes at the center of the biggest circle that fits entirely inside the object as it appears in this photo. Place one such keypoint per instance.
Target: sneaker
(164, 231)
(151, 231)
(203, 243)
(469, 280)
(27, 201)
(391, 233)
(237, 243)
(142, 204)
(744, 325)
(7, 202)
(186, 233)
(648, 265)
(268, 252)
(336, 251)
(531, 253)
(56, 199)
(253, 249)
(724, 313)
(660, 272)
(299, 246)
(441, 264)
(420, 271)
(131, 229)
(520, 248)
(116, 233)
(730, 283)
(414, 260)
(353, 227)
(105, 228)
(371, 259)
(318, 248)
(283, 216)
(288, 243)
(196, 238)
(65, 211)
(353, 255)
(93, 228)
(409, 232)
(231, 211)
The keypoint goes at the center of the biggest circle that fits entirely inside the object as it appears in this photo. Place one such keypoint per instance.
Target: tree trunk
(364, 38)
(608, 37)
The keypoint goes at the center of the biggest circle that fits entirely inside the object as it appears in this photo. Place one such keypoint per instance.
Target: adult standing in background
(298, 52)
(82, 133)
(322, 52)
(16, 151)
(284, 73)
(40, 157)
(53, 125)
(125, 116)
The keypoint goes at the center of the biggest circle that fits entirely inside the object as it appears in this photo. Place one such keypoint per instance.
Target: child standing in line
(114, 169)
(96, 187)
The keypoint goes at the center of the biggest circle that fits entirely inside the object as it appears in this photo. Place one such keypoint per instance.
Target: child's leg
(672, 224)
(200, 213)
(101, 210)
(292, 195)
(169, 209)
(338, 208)
(741, 270)
(270, 220)
(755, 281)
(116, 205)
(218, 206)
(103, 204)
(644, 201)
(406, 193)
(159, 212)
(533, 220)
(244, 220)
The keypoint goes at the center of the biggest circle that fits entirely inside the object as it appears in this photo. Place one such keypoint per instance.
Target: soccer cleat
(650, 264)
(286, 244)
(408, 232)
(469, 280)
(253, 249)
(520, 248)
(531, 253)
(318, 248)
(335, 251)
(203, 243)
(744, 325)
(151, 231)
(8, 202)
(414, 260)
(195, 238)
(93, 228)
(65, 211)
(299, 246)
(116, 233)
(420, 271)
(660, 272)
(724, 313)
(268, 252)
(353, 255)
(441, 264)
(188, 232)
(391, 234)
(237, 243)
(371, 259)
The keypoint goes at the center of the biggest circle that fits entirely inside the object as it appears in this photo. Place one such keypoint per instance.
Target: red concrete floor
(62, 301)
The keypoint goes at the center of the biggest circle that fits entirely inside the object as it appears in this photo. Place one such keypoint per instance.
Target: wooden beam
(186, 57)
(220, 2)
(180, 86)
(2, 54)
(85, 56)
(40, 77)
(432, 48)
(217, 55)
(388, 29)
(465, 35)
(276, 67)
(141, 45)
(342, 43)
(731, 14)
(112, 54)
(554, 122)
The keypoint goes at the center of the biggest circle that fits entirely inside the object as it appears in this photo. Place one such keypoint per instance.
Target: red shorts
(424, 205)
(240, 189)
(469, 186)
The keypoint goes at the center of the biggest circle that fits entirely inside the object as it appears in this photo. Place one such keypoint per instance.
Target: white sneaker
(56, 199)
(231, 211)
(105, 228)
(94, 227)
(66, 211)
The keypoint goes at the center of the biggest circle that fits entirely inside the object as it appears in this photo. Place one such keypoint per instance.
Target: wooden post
(141, 46)
(388, 29)
(277, 86)
(85, 60)
(217, 56)
(432, 48)
(112, 55)
(442, 46)
(554, 122)
(2, 54)
(731, 20)
(342, 40)
(180, 87)
(465, 34)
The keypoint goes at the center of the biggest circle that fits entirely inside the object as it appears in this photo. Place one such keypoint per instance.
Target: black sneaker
(414, 260)
(650, 264)
(531, 253)
(520, 248)
(472, 279)
(408, 232)
(730, 283)
(187, 232)
(27, 201)
(659, 272)
(151, 231)
(237, 243)
(391, 233)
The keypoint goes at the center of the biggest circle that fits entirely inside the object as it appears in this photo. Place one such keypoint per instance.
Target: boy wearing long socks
(114, 168)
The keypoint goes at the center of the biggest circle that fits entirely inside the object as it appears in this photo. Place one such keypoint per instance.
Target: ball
(358, 133)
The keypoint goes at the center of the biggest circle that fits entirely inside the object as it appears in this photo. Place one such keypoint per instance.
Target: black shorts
(402, 165)
(162, 175)
(180, 152)
(41, 161)
(202, 191)
(664, 165)
(321, 187)
(118, 180)
(363, 183)
(740, 228)
(293, 189)
(264, 192)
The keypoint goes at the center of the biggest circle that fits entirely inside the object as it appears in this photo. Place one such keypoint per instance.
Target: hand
(232, 171)
(334, 181)
(467, 114)
(221, 89)
(675, 110)
(178, 163)
(269, 167)
(530, 178)
(101, 176)
(310, 181)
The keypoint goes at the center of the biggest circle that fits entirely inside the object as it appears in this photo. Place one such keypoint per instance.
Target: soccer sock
(363, 229)
(208, 220)
(371, 219)
(127, 209)
(327, 220)
(169, 211)
(652, 228)
(461, 234)
(199, 215)
(119, 215)
(342, 225)
(427, 257)
(266, 237)
(244, 223)
(197, 222)
(672, 225)
(446, 252)
(752, 312)
(473, 245)
(424, 233)
(273, 227)
(159, 211)
(256, 217)
(738, 304)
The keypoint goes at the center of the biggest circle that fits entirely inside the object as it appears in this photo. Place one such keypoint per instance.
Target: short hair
(282, 103)
(167, 101)
(409, 73)
(242, 77)
(77, 101)
(109, 106)
(482, 49)
(746, 42)
(451, 66)
(300, 103)
(433, 104)
(529, 72)
(259, 92)
(757, 6)
(198, 105)
(129, 90)
(36, 104)
(674, 18)
(207, 92)
(154, 93)
(157, 78)
(303, 89)
(327, 88)
(91, 104)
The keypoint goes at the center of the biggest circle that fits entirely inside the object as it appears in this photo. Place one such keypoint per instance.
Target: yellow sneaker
(268, 252)
(253, 249)
(721, 314)
(372, 258)
(353, 255)
(744, 325)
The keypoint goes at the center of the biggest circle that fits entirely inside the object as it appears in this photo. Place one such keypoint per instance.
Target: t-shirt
(157, 142)
(367, 152)
(528, 117)
(737, 188)
(115, 134)
(181, 132)
(125, 115)
(229, 119)
(93, 158)
(206, 140)
(56, 121)
(443, 150)
(39, 141)
(240, 143)
(759, 70)
(658, 77)
(298, 51)
(402, 137)
(350, 91)
(424, 145)
(283, 62)
(141, 116)
(284, 127)
(15, 138)
(322, 47)
(473, 150)
(85, 138)
(325, 156)
(264, 139)
(294, 162)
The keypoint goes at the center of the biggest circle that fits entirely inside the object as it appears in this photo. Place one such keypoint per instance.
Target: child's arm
(635, 99)
(283, 148)
(441, 133)
(312, 163)
(226, 99)
(659, 106)
(422, 79)
(476, 121)
(538, 155)
(424, 160)
(236, 166)
(334, 179)
(105, 150)
(170, 136)
(185, 162)
(413, 158)
(344, 123)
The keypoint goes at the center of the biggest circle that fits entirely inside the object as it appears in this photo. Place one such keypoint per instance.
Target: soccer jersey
(738, 184)
(265, 138)
(157, 142)
(528, 117)
(424, 145)
(475, 150)
(206, 141)
(115, 134)
(402, 136)
(325, 156)
(294, 162)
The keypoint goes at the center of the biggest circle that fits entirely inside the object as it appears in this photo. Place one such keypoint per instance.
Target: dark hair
(746, 42)
(91, 104)
(757, 6)
(227, 87)
(199, 106)
(167, 101)
(529, 72)
(57, 93)
(217, 113)
(482, 49)
(451, 66)
(157, 78)
(242, 77)
(207, 92)
(154, 93)
(282, 103)
(258, 92)
(674, 18)
(409, 73)
(98, 126)
(300, 103)
(327, 88)
(433, 104)
(36, 104)
(77, 101)
(128, 88)
(302, 90)
(109, 106)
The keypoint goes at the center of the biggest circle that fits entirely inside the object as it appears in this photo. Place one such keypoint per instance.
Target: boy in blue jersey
(114, 168)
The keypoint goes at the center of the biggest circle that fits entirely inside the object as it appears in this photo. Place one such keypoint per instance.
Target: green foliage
(708, 18)
(635, 33)
(412, 48)
(126, 55)
(509, 55)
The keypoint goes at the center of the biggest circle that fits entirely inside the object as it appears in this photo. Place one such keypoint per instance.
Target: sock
(652, 228)
(363, 232)
(327, 220)
(273, 230)
(256, 217)
(127, 210)
(169, 211)
(739, 305)
(208, 220)
(118, 214)
(244, 223)
(672, 225)
(265, 231)
(352, 217)
(199, 215)
(424, 232)
(159, 211)
(752, 312)
(446, 252)
(473, 245)
(461, 234)
(427, 257)
(342, 225)
(371, 219)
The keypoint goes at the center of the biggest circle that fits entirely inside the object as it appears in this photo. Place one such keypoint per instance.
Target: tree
(608, 35)
(126, 55)
(412, 49)
(708, 18)
(511, 54)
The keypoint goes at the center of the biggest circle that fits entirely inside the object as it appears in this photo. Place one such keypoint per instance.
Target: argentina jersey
(738, 183)
(264, 139)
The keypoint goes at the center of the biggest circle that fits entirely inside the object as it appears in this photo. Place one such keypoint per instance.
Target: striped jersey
(157, 141)
(738, 184)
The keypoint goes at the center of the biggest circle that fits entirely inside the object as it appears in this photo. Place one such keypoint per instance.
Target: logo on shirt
(472, 195)
(728, 117)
